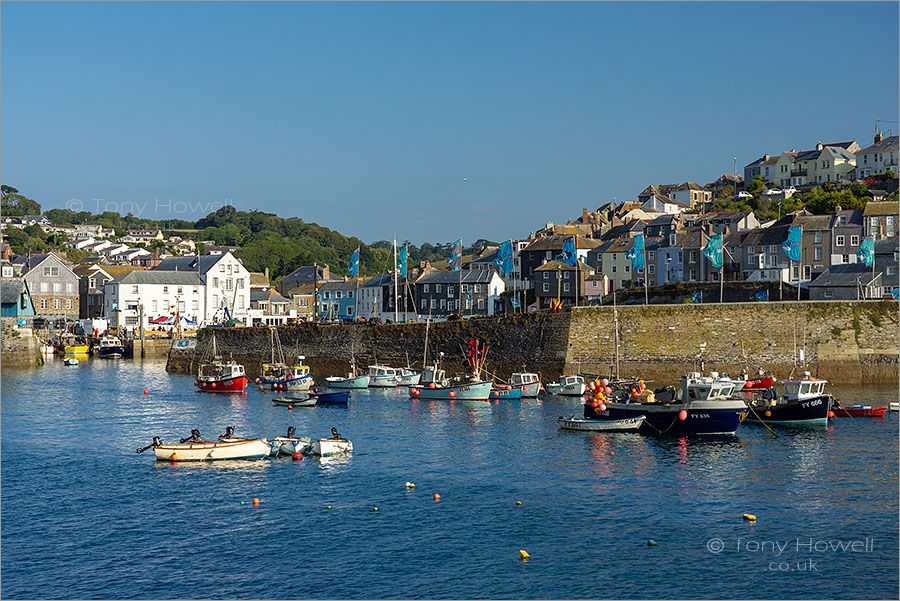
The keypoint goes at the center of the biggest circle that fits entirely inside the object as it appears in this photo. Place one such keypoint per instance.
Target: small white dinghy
(71, 361)
(290, 444)
(893, 406)
(326, 447)
(195, 448)
(600, 425)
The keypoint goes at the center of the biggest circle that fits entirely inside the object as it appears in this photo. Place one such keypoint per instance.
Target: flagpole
(873, 260)
(396, 300)
(459, 288)
(646, 276)
(356, 308)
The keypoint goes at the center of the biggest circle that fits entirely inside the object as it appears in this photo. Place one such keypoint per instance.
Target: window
(818, 253)
(57, 303)
(566, 275)
(627, 268)
(165, 289)
(873, 221)
(229, 284)
(438, 288)
(304, 302)
(45, 287)
(338, 294)
(549, 255)
(69, 287)
(819, 237)
(195, 305)
(155, 306)
(651, 268)
(693, 275)
(424, 301)
(613, 269)
(70, 303)
(433, 304)
(650, 254)
(194, 290)
(890, 220)
(45, 303)
(546, 275)
(229, 269)
(772, 260)
(51, 271)
(181, 306)
(838, 240)
(477, 287)
(566, 287)
(845, 258)
(826, 293)
(239, 283)
(890, 270)
(807, 271)
(180, 290)
(450, 291)
(325, 295)
(134, 290)
(692, 256)
(443, 303)
(546, 287)
(222, 268)
(350, 310)
(424, 289)
(57, 286)
(349, 294)
(131, 320)
(481, 303)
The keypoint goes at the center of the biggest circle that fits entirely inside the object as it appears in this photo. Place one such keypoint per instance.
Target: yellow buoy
(518, 502)
(749, 517)
(768, 414)
(523, 554)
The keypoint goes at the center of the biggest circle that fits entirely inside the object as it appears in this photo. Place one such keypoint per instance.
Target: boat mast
(396, 299)
(616, 321)
(425, 353)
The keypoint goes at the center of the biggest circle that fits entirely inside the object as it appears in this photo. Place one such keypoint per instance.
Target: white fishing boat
(354, 379)
(568, 386)
(326, 447)
(382, 376)
(47, 349)
(529, 383)
(110, 347)
(466, 387)
(308, 401)
(195, 448)
(597, 425)
(408, 377)
(290, 444)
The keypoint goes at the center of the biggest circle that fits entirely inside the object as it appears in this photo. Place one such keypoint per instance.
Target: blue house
(338, 300)
(15, 298)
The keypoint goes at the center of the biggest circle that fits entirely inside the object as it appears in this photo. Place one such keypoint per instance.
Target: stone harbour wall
(20, 347)
(844, 342)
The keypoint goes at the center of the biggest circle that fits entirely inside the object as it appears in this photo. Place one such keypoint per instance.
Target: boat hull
(382, 381)
(331, 398)
(289, 402)
(409, 380)
(566, 389)
(531, 390)
(111, 352)
(701, 417)
(759, 383)
(601, 425)
(348, 383)
(81, 349)
(480, 391)
(511, 394)
(282, 445)
(327, 447)
(297, 384)
(258, 448)
(808, 412)
(859, 411)
(226, 386)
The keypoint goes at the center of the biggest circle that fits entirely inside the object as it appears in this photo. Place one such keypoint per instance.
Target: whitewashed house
(225, 280)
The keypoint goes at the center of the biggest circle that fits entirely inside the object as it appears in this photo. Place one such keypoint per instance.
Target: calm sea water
(85, 517)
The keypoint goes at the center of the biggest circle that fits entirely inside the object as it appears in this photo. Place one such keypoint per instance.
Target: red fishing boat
(759, 383)
(217, 375)
(858, 410)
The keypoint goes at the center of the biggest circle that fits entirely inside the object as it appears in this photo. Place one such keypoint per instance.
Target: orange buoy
(255, 501)
(174, 457)
(437, 497)
(146, 391)
(196, 383)
(298, 456)
(431, 385)
(830, 413)
(452, 394)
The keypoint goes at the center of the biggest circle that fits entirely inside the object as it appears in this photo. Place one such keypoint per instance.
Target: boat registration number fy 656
(812, 403)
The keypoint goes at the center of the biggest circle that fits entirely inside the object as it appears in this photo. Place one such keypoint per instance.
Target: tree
(756, 185)
(17, 204)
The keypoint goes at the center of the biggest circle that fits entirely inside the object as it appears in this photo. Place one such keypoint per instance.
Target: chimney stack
(837, 209)
(584, 215)
(267, 275)
(877, 137)
(819, 146)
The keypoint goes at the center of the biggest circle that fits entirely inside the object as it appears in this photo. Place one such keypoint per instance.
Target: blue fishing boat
(331, 397)
(702, 405)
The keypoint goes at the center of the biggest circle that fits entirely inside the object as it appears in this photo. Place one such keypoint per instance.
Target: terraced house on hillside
(52, 284)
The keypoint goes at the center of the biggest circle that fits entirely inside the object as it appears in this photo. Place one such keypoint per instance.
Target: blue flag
(504, 258)
(866, 252)
(568, 255)
(762, 296)
(791, 246)
(515, 300)
(636, 254)
(455, 262)
(354, 264)
(713, 251)
(895, 294)
(697, 298)
(401, 262)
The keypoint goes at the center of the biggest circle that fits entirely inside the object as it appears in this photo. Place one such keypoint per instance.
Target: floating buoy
(523, 554)
(410, 485)
(682, 415)
(174, 457)
(494, 393)
(452, 394)
(242, 502)
(414, 391)
(749, 517)
(437, 497)
(651, 543)
(297, 456)
(328, 507)
(255, 501)
(196, 383)
(830, 413)
(518, 502)
(374, 509)
(146, 391)
(290, 407)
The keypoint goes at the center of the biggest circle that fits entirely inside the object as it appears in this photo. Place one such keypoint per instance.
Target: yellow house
(609, 260)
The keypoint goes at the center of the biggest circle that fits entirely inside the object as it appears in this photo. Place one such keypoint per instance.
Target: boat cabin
(108, 341)
(523, 378)
(221, 371)
(381, 371)
(273, 371)
(695, 387)
(803, 388)
(431, 374)
(570, 380)
(298, 370)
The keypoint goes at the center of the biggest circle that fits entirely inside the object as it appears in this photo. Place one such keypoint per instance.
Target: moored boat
(408, 377)
(600, 425)
(382, 376)
(194, 448)
(221, 376)
(529, 382)
(331, 397)
(507, 392)
(839, 410)
(110, 347)
(354, 379)
(76, 349)
(71, 360)
(290, 444)
(702, 405)
(568, 385)
(308, 401)
(325, 447)
(803, 402)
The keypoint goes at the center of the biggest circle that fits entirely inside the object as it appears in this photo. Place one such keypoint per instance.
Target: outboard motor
(157, 441)
(195, 434)
(229, 432)
(335, 433)
(290, 431)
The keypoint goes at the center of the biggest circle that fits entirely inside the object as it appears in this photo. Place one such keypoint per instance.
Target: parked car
(743, 194)
(790, 190)
(771, 192)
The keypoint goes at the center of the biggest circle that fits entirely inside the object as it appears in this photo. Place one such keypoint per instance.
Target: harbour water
(85, 517)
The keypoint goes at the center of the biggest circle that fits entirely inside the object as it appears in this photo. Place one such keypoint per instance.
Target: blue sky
(367, 117)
